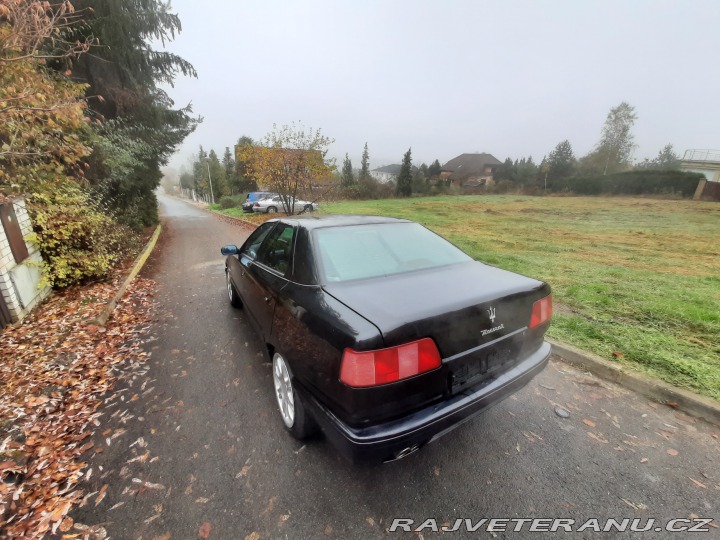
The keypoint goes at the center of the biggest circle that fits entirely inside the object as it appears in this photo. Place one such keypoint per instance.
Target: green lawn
(635, 277)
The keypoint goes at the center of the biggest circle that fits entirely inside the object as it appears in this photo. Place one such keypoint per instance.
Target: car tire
(232, 293)
(292, 407)
(308, 208)
(271, 210)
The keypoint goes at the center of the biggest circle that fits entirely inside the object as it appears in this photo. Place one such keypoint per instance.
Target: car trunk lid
(477, 314)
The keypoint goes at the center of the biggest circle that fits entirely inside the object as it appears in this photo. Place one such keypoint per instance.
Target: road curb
(232, 219)
(688, 402)
(102, 319)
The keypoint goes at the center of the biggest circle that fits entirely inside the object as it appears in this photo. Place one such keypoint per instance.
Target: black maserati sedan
(383, 334)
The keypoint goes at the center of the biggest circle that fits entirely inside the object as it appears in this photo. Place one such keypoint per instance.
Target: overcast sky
(511, 78)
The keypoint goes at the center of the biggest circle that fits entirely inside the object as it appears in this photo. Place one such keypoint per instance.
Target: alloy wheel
(284, 390)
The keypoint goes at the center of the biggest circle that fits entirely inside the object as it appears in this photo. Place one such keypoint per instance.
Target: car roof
(315, 221)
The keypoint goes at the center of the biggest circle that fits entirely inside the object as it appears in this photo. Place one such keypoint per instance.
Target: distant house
(20, 289)
(470, 170)
(388, 173)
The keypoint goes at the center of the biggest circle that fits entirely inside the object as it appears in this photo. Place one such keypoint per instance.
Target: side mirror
(229, 250)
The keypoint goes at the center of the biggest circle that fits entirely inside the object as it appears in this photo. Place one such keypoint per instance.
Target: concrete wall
(19, 284)
(712, 175)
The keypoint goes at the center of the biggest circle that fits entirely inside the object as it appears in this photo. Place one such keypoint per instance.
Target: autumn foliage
(43, 130)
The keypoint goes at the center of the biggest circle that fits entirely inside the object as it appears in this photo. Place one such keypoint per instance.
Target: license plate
(480, 366)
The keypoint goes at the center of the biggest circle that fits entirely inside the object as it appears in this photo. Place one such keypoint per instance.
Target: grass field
(633, 277)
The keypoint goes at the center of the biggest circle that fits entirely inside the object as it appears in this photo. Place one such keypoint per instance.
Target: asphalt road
(205, 453)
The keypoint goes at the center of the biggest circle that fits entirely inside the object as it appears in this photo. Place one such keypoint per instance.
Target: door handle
(242, 274)
(267, 299)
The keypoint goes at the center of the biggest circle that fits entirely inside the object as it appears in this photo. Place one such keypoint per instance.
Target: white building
(389, 173)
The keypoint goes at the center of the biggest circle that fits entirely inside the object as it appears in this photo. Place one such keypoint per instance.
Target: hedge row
(233, 201)
(630, 183)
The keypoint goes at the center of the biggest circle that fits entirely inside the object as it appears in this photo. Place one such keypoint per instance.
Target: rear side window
(366, 251)
(276, 251)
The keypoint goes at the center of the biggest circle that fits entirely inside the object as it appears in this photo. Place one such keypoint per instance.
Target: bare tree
(617, 142)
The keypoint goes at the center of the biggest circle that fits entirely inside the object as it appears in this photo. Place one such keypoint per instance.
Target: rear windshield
(366, 251)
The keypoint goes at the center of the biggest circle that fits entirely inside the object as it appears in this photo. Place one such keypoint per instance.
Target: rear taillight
(370, 368)
(542, 311)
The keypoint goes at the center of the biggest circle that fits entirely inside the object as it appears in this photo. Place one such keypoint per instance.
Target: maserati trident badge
(491, 312)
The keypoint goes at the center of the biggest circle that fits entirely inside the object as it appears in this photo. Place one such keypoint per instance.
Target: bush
(77, 241)
(503, 186)
(645, 182)
(231, 201)
(368, 188)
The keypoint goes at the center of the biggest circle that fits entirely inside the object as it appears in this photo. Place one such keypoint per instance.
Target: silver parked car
(276, 204)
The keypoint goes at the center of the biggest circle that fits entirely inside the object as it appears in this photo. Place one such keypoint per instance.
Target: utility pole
(212, 196)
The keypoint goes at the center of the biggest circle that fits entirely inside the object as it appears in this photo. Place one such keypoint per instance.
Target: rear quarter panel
(312, 330)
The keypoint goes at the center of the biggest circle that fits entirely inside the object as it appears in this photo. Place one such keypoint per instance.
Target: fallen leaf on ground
(204, 531)
(598, 438)
(66, 524)
(636, 506)
(243, 471)
(588, 422)
(672, 452)
(101, 495)
(698, 484)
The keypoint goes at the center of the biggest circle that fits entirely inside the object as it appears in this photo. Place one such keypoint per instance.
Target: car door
(265, 277)
(238, 266)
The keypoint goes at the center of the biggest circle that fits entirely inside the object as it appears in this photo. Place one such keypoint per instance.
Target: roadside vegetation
(85, 126)
(634, 280)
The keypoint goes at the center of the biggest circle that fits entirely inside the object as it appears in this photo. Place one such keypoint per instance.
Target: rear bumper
(383, 442)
